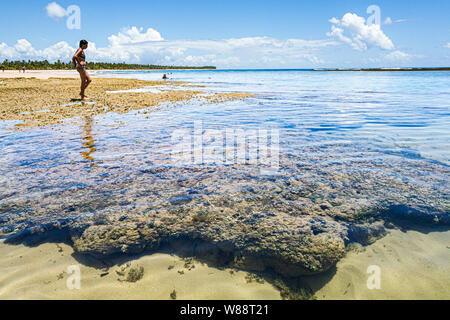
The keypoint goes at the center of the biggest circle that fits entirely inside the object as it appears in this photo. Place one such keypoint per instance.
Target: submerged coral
(298, 222)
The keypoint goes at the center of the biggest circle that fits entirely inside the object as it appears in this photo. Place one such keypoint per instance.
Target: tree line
(59, 65)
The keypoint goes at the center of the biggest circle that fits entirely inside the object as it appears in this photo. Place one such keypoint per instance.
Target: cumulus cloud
(447, 45)
(24, 47)
(134, 35)
(55, 11)
(137, 45)
(353, 30)
(24, 50)
(334, 20)
(398, 56)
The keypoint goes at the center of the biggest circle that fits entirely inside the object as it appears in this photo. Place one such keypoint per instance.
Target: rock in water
(130, 273)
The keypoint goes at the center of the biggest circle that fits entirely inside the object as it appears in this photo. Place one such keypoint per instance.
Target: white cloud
(398, 56)
(134, 35)
(353, 30)
(6, 51)
(395, 59)
(23, 46)
(447, 45)
(61, 51)
(334, 20)
(24, 50)
(55, 11)
(136, 45)
(390, 21)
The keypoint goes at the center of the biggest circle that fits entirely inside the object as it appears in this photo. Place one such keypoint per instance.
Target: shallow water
(400, 113)
(384, 126)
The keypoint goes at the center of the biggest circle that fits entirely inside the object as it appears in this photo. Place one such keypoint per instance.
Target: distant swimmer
(79, 61)
(165, 77)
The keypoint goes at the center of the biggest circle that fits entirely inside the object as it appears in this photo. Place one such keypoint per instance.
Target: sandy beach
(68, 74)
(41, 273)
(40, 74)
(413, 266)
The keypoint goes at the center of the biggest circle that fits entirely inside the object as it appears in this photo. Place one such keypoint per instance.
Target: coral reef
(296, 223)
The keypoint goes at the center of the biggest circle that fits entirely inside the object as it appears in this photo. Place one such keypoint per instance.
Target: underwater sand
(32, 273)
(413, 265)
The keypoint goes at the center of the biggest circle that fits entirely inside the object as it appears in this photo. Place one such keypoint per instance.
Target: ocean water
(389, 116)
(389, 126)
(398, 111)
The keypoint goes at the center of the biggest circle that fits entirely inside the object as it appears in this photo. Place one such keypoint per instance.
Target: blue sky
(234, 34)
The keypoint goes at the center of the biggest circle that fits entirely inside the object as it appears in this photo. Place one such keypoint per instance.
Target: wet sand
(413, 266)
(40, 273)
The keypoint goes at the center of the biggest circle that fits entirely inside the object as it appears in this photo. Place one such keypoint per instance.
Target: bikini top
(82, 56)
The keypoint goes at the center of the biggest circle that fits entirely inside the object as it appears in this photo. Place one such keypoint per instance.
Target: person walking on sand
(79, 61)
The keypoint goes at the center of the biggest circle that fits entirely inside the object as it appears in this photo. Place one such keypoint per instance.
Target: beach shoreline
(40, 74)
(72, 74)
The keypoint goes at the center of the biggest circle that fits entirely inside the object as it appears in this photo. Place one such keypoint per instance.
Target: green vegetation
(59, 65)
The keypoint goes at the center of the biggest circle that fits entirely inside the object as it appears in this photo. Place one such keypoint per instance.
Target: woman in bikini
(79, 61)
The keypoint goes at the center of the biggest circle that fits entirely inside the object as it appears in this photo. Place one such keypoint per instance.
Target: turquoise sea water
(323, 118)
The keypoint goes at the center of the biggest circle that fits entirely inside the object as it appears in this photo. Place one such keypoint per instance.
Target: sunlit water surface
(390, 123)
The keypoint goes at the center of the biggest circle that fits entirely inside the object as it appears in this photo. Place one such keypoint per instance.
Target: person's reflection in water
(88, 141)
